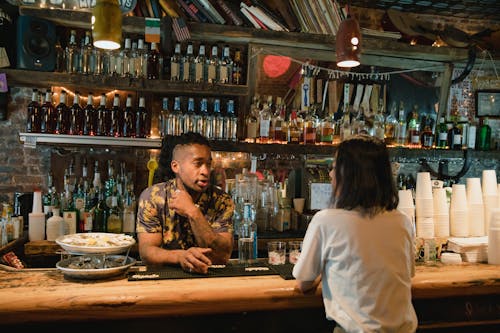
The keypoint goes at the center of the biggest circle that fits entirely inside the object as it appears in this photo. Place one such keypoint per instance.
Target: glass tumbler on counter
(294, 249)
(276, 253)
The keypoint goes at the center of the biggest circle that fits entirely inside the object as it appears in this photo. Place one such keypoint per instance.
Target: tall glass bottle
(175, 63)
(87, 55)
(189, 117)
(89, 116)
(310, 127)
(133, 60)
(213, 66)
(401, 133)
(247, 236)
(114, 222)
(206, 128)
(230, 122)
(101, 213)
(141, 120)
(126, 58)
(293, 135)
(226, 66)
(265, 117)
(62, 115)
(414, 130)
(47, 113)
(279, 123)
(217, 121)
(237, 69)
(154, 63)
(200, 65)
(76, 116)
(483, 137)
(72, 53)
(176, 119)
(113, 127)
(100, 117)
(455, 137)
(188, 65)
(390, 126)
(252, 122)
(33, 119)
(163, 118)
(128, 121)
(442, 134)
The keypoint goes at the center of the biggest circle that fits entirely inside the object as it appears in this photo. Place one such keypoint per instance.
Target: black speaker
(36, 40)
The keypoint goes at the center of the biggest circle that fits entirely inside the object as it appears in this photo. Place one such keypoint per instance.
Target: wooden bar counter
(450, 297)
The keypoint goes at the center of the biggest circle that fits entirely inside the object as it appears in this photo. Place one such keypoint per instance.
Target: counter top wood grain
(41, 295)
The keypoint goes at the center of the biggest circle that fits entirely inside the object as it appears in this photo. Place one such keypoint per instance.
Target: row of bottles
(214, 67)
(138, 59)
(90, 119)
(213, 123)
(89, 205)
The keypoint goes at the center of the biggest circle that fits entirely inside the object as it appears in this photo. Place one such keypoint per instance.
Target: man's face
(192, 165)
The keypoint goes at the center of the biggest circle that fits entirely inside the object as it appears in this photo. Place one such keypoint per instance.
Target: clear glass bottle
(265, 118)
(213, 65)
(401, 130)
(226, 66)
(87, 55)
(188, 65)
(252, 122)
(230, 122)
(132, 69)
(128, 121)
(33, 110)
(217, 121)
(247, 236)
(176, 118)
(189, 116)
(175, 63)
(207, 121)
(200, 65)
(126, 58)
(113, 127)
(163, 119)
(72, 53)
(100, 117)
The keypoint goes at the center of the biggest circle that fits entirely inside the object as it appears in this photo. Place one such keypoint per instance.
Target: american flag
(181, 30)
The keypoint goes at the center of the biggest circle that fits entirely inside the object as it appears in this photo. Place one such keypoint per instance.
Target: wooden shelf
(28, 78)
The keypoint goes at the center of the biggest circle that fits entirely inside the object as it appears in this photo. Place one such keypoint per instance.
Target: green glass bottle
(483, 137)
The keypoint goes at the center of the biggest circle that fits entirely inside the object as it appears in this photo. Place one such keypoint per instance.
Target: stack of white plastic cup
(494, 237)
(459, 226)
(441, 213)
(424, 206)
(490, 195)
(475, 206)
(406, 204)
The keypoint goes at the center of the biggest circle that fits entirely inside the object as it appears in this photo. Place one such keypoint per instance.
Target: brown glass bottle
(75, 116)
(153, 63)
(127, 123)
(47, 114)
(89, 116)
(113, 119)
(100, 117)
(293, 129)
(237, 71)
(62, 115)
(141, 123)
(33, 119)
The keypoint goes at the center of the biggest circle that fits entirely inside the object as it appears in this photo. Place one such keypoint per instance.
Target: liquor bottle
(189, 117)
(101, 113)
(114, 223)
(141, 60)
(176, 119)
(472, 134)
(390, 126)
(427, 137)
(141, 119)
(101, 213)
(113, 118)
(89, 116)
(69, 213)
(309, 128)
(206, 127)
(414, 130)
(88, 64)
(442, 135)
(128, 121)
(265, 117)
(132, 61)
(47, 114)
(33, 119)
(279, 123)
(163, 118)
(379, 121)
(200, 65)
(217, 121)
(230, 122)
(62, 115)
(293, 135)
(247, 236)
(455, 137)
(226, 66)
(126, 58)
(401, 133)
(483, 138)
(60, 57)
(129, 209)
(154, 62)
(76, 116)
(99, 61)
(326, 129)
(213, 66)
(72, 54)
(175, 63)
(345, 130)
(252, 122)
(188, 65)
(237, 69)
(55, 225)
(87, 213)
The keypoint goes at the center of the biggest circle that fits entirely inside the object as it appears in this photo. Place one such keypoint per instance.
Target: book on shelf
(330, 21)
(318, 16)
(209, 10)
(261, 16)
(251, 18)
(275, 16)
(283, 7)
(144, 8)
(296, 10)
(225, 8)
(155, 6)
(190, 8)
(171, 8)
(149, 8)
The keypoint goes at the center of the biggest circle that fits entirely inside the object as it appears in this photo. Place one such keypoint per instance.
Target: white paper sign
(320, 195)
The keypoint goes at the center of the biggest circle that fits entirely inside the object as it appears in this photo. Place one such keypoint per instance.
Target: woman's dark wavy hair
(169, 142)
(363, 176)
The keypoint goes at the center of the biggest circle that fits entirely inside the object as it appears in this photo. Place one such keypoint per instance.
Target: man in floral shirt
(186, 220)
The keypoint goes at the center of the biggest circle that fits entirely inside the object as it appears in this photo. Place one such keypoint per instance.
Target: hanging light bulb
(107, 24)
(348, 42)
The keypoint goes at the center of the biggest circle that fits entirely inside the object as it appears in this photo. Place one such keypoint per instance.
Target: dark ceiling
(463, 9)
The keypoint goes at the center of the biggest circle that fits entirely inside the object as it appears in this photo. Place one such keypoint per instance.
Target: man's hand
(195, 260)
(182, 202)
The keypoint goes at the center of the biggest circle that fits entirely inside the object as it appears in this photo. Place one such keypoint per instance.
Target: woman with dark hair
(361, 249)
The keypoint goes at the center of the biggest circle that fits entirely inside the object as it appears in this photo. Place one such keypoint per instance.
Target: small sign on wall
(320, 195)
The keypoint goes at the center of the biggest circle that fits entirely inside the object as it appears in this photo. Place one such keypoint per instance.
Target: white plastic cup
(490, 203)
(425, 227)
(458, 198)
(476, 220)
(441, 206)
(489, 182)
(494, 238)
(459, 226)
(474, 191)
(424, 207)
(37, 202)
(298, 204)
(405, 199)
(423, 186)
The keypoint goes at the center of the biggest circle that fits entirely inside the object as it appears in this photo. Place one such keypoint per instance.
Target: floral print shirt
(154, 216)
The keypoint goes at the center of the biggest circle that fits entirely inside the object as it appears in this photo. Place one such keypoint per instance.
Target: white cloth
(366, 266)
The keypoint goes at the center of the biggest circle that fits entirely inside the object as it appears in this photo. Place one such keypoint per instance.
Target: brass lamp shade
(348, 42)
(107, 24)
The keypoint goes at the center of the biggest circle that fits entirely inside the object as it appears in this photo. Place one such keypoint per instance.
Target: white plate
(95, 242)
(94, 273)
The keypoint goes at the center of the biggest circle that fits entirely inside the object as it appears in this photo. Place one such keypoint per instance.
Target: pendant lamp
(348, 42)
(107, 24)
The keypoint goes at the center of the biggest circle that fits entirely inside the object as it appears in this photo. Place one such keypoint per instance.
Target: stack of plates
(472, 249)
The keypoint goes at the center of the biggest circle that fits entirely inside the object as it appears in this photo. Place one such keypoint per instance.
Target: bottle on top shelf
(47, 114)
(88, 122)
(230, 122)
(61, 115)
(142, 123)
(483, 138)
(33, 118)
(128, 119)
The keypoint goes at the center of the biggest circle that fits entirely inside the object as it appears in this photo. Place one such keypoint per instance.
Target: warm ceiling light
(348, 42)
(107, 24)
